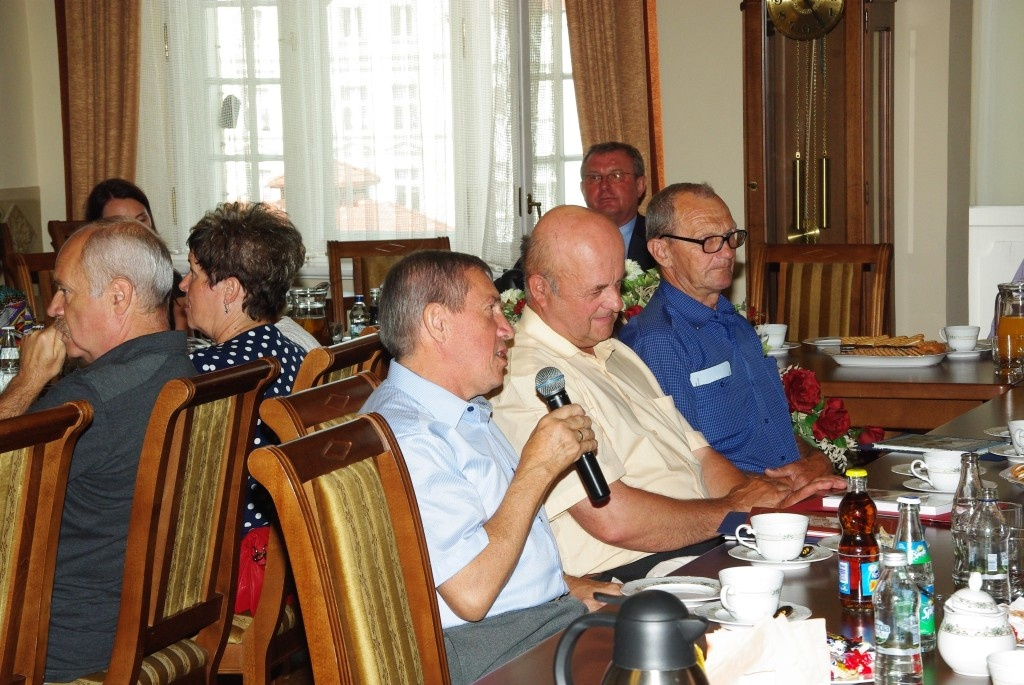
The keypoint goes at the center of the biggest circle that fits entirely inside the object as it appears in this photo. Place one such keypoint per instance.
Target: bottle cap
(894, 559)
(856, 473)
(908, 499)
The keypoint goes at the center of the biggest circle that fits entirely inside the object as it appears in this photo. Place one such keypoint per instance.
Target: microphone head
(550, 381)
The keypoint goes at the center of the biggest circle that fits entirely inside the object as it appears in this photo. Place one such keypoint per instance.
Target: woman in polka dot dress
(242, 260)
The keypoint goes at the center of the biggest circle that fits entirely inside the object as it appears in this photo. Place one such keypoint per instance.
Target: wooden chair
(60, 230)
(32, 273)
(181, 560)
(7, 247)
(332, 363)
(321, 407)
(35, 457)
(822, 290)
(371, 260)
(257, 645)
(358, 552)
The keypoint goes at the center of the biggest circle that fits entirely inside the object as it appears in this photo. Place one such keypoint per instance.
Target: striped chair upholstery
(356, 545)
(258, 643)
(822, 290)
(181, 561)
(332, 363)
(35, 457)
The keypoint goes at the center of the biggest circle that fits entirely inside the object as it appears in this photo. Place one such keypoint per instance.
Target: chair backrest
(32, 273)
(181, 560)
(356, 545)
(35, 457)
(822, 290)
(60, 230)
(371, 260)
(334, 362)
(7, 247)
(321, 407)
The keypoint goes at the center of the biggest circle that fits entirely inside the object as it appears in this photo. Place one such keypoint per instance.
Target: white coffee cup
(772, 334)
(942, 480)
(960, 338)
(750, 592)
(777, 537)
(1016, 429)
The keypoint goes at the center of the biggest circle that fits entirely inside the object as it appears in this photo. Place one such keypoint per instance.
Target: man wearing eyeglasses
(613, 182)
(704, 354)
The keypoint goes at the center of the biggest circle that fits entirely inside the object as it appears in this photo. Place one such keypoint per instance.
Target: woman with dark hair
(242, 259)
(118, 197)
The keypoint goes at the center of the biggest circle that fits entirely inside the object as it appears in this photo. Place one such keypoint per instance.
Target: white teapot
(973, 627)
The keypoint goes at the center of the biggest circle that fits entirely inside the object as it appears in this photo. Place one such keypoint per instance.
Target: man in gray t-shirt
(113, 279)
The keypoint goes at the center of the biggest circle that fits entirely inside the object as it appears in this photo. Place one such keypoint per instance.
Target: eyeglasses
(714, 243)
(613, 177)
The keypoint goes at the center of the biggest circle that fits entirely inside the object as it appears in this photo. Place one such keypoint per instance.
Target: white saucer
(822, 342)
(967, 354)
(714, 611)
(692, 590)
(904, 470)
(831, 542)
(786, 347)
(924, 486)
(1008, 452)
(747, 554)
(998, 432)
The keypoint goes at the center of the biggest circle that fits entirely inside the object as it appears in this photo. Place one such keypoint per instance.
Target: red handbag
(251, 569)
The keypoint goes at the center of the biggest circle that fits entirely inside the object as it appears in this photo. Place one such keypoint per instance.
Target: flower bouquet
(637, 288)
(821, 421)
(512, 302)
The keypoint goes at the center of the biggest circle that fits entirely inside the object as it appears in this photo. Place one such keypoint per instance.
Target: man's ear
(437, 322)
(659, 249)
(121, 293)
(539, 289)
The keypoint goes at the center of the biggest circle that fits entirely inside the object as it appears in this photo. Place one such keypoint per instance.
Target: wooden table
(815, 587)
(904, 398)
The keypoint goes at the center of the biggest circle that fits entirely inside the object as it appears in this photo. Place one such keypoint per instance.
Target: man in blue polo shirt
(704, 354)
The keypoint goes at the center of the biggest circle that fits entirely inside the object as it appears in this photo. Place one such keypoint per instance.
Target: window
(362, 118)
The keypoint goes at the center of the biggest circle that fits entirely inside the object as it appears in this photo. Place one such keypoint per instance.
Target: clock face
(805, 19)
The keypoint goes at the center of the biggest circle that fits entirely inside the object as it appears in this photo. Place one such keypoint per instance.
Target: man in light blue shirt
(499, 578)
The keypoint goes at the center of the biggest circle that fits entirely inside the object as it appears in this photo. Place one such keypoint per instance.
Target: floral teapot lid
(973, 601)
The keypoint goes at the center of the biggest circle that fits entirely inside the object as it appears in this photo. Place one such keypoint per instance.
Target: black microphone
(551, 386)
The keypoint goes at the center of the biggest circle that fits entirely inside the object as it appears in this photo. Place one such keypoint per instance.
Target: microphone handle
(587, 466)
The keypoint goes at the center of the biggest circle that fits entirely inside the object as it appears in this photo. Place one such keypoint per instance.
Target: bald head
(573, 264)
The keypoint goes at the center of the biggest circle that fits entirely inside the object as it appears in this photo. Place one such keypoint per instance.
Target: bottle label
(844, 578)
(917, 551)
(927, 613)
(881, 632)
(868, 577)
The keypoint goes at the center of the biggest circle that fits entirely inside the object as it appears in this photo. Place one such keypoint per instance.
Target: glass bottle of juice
(1008, 346)
(858, 548)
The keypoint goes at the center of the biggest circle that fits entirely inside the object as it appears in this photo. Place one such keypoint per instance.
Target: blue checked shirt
(712, 364)
(461, 466)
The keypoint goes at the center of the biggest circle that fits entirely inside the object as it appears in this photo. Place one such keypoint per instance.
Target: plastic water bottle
(374, 306)
(358, 317)
(910, 540)
(858, 548)
(988, 547)
(965, 501)
(897, 605)
(10, 355)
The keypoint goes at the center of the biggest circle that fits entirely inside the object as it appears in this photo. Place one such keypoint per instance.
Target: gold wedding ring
(580, 431)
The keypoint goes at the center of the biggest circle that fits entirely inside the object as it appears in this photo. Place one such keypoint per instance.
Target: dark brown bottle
(858, 548)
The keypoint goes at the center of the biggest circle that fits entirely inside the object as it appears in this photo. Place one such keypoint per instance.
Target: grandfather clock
(818, 120)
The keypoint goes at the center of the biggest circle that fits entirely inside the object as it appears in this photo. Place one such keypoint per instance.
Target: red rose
(802, 390)
(520, 305)
(833, 421)
(630, 312)
(870, 434)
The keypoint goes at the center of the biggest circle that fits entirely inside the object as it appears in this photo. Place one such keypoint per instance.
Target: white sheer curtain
(362, 118)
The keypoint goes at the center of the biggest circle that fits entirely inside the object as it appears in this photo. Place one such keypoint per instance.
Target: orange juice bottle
(1010, 340)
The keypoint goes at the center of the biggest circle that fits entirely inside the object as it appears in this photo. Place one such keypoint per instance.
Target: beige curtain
(614, 49)
(98, 41)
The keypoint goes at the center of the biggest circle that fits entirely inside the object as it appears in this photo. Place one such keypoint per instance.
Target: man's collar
(535, 327)
(440, 403)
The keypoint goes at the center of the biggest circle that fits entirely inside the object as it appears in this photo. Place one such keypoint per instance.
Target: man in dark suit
(613, 183)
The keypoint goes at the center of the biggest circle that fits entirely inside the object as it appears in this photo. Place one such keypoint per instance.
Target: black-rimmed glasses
(714, 243)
